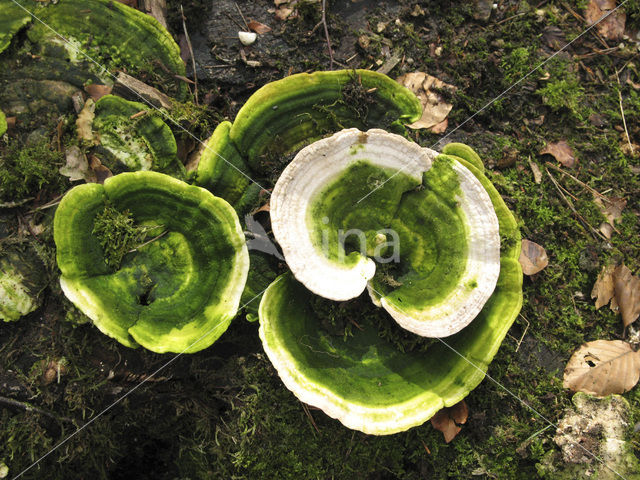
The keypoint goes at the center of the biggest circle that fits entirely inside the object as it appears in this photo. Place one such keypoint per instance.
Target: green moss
(118, 234)
(25, 170)
(566, 93)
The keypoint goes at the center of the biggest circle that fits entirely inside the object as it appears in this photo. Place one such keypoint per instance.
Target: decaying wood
(131, 88)
(157, 9)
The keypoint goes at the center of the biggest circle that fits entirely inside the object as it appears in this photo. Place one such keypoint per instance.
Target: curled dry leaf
(562, 152)
(612, 27)
(449, 419)
(77, 166)
(603, 367)
(611, 208)
(101, 172)
(618, 285)
(535, 169)
(533, 257)
(434, 108)
(96, 91)
(259, 28)
(85, 121)
(603, 288)
(626, 298)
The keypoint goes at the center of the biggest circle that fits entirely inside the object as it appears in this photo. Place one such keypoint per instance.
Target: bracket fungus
(389, 193)
(285, 115)
(176, 292)
(144, 142)
(449, 220)
(22, 279)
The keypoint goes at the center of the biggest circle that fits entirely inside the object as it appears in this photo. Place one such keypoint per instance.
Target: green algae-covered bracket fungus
(112, 35)
(22, 279)
(176, 292)
(144, 142)
(12, 20)
(364, 381)
(284, 115)
(364, 188)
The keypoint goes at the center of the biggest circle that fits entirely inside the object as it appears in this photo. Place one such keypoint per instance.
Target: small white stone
(247, 38)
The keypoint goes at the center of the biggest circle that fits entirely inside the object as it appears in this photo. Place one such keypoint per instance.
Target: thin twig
(30, 408)
(624, 121)
(243, 19)
(510, 18)
(592, 190)
(313, 422)
(149, 241)
(586, 224)
(326, 32)
(193, 58)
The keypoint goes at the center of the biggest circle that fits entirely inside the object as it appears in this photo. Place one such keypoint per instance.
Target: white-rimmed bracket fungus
(363, 379)
(22, 279)
(177, 290)
(375, 191)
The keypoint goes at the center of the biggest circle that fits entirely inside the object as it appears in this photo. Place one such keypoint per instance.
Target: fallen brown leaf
(448, 420)
(612, 27)
(434, 108)
(96, 92)
(562, 152)
(611, 208)
(618, 285)
(259, 28)
(85, 120)
(535, 169)
(603, 289)
(603, 367)
(441, 127)
(101, 172)
(77, 166)
(533, 257)
(627, 294)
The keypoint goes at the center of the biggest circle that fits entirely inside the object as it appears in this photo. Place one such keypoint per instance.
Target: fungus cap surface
(365, 382)
(389, 194)
(176, 293)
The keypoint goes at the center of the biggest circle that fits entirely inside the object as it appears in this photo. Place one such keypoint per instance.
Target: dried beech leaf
(101, 172)
(448, 420)
(533, 257)
(627, 294)
(562, 152)
(441, 127)
(611, 208)
(77, 166)
(96, 92)
(259, 28)
(603, 367)
(282, 13)
(603, 288)
(460, 412)
(442, 422)
(84, 121)
(612, 27)
(535, 169)
(434, 108)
